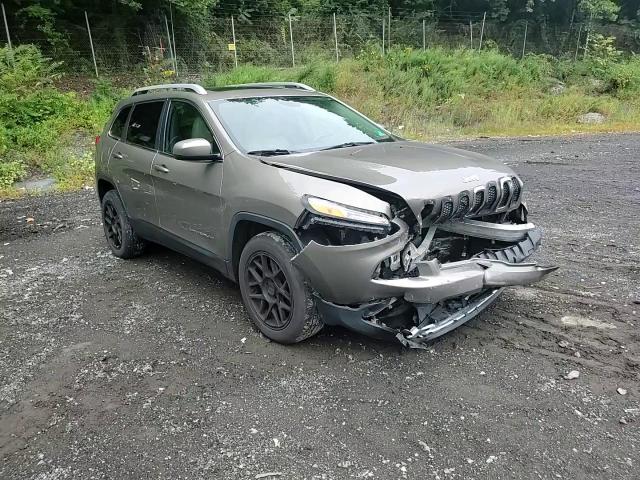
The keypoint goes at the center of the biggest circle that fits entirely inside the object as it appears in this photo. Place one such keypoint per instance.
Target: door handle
(118, 155)
(161, 168)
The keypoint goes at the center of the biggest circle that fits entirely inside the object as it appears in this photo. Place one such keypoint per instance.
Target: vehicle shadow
(331, 339)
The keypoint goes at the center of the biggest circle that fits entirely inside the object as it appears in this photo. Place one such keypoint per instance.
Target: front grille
(516, 191)
(463, 206)
(492, 194)
(479, 200)
(484, 200)
(447, 209)
(506, 191)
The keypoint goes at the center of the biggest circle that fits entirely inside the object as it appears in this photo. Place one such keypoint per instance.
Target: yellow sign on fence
(232, 47)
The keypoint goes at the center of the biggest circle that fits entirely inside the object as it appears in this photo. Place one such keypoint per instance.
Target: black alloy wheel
(269, 291)
(113, 225)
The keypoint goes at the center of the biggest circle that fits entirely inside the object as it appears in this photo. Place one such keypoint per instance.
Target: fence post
(166, 24)
(335, 35)
(586, 40)
(173, 34)
(471, 32)
(233, 36)
(6, 29)
(389, 31)
(293, 55)
(424, 34)
(524, 43)
(575, 58)
(484, 17)
(93, 52)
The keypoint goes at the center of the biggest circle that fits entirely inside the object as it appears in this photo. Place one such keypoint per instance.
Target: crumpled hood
(414, 171)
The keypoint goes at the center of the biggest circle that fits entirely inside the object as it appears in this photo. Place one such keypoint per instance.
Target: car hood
(414, 171)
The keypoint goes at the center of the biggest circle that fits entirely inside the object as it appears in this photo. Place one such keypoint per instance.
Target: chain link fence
(219, 44)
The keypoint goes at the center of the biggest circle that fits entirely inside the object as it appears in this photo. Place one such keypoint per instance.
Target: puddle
(577, 321)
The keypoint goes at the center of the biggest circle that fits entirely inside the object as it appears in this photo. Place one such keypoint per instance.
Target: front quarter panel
(276, 193)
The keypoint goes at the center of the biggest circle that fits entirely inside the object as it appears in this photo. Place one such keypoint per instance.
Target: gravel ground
(150, 369)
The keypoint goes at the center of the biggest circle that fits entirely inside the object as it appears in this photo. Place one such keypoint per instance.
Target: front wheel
(279, 302)
(122, 240)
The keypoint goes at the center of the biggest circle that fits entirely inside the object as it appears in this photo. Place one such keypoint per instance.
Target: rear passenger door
(187, 191)
(132, 158)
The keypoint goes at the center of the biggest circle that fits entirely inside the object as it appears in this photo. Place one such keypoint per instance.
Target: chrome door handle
(119, 156)
(161, 168)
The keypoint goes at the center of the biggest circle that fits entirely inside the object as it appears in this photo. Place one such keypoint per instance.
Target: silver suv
(321, 215)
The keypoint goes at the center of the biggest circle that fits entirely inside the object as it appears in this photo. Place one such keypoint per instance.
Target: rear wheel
(122, 240)
(279, 302)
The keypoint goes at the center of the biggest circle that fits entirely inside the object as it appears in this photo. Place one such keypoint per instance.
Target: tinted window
(294, 123)
(143, 125)
(117, 127)
(185, 122)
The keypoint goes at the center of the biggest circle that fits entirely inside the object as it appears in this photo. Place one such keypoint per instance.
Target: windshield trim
(391, 137)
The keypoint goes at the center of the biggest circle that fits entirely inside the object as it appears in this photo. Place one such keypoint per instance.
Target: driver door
(188, 193)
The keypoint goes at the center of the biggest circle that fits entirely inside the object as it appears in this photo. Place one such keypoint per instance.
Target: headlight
(327, 208)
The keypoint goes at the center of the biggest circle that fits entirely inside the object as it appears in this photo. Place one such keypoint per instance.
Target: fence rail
(224, 43)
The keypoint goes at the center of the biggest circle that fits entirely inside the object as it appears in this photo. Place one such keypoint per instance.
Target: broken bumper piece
(438, 282)
(442, 296)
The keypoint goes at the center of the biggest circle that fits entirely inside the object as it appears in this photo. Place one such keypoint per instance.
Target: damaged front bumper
(444, 295)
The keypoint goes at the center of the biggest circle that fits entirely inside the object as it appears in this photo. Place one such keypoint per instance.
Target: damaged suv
(321, 215)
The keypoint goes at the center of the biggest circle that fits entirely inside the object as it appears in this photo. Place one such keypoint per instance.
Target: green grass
(432, 94)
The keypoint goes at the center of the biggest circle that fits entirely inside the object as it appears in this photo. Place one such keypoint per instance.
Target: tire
(291, 315)
(122, 240)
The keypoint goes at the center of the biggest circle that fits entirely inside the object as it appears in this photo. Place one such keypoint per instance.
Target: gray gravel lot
(150, 369)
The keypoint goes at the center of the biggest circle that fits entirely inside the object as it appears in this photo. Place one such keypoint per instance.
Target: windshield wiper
(271, 153)
(348, 144)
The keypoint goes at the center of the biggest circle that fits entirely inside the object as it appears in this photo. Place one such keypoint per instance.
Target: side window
(185, 122)
(143, 125)
(117, 127)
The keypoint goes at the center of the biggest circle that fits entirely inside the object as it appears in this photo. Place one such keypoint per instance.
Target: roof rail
(188, 87)
(300, 86)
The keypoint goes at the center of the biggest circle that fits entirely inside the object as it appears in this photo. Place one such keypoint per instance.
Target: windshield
(282, 125)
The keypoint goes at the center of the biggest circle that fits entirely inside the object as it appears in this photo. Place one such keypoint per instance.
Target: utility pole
(424, 34)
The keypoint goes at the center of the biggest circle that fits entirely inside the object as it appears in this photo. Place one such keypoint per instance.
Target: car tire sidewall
(280, 249)
(131, 245)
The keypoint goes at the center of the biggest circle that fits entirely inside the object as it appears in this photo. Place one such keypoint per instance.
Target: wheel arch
(103, 186)
(244, 226)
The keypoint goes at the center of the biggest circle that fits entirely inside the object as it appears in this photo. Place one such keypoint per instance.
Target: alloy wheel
(113, 225)
(269, 291)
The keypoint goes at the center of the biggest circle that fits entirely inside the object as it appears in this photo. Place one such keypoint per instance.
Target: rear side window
(143, 125)
(117, 127)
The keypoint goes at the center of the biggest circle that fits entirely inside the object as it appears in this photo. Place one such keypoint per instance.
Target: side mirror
(195, 149)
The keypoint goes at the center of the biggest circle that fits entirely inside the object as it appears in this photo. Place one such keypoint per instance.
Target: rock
(557, 89)
(577, 354)
(573, 374)
(563, 344)
(268, 475)
(345, 464)
(621, 391)
(592, 118)
(623, 421)
(424, 446)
